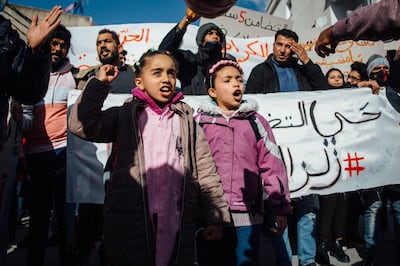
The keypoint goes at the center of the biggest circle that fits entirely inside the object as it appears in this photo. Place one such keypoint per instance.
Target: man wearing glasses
(358, 73)
(358, 77)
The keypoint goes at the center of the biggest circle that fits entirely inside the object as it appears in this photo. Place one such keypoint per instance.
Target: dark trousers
(89, 227)
(353, 214)
(332, 216)
(47, 187)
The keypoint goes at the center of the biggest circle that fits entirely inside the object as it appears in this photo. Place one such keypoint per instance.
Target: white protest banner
(86, 160)
(239, 22)
(331, 141)
(138, 38)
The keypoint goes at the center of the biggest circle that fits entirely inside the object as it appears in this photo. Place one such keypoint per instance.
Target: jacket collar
(141, 95)
(292, 62)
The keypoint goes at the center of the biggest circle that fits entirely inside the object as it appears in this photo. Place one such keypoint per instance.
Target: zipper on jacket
(178, 249)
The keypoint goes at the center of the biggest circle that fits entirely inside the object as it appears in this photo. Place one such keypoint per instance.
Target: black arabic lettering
(340, 117)
(224, 31)
(277, 122)
(334, 181)
(320, 174)
(230, 15)
(290, 160)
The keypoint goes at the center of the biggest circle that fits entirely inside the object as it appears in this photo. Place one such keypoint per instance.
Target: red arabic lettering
(241, 16)
(142, 36)
(255, 48)
(231, 45)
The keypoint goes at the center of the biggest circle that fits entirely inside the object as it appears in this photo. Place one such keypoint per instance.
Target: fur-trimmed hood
(247, 107)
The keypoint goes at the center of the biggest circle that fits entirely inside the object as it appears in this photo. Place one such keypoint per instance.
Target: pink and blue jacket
(47, 119)
(242, 160)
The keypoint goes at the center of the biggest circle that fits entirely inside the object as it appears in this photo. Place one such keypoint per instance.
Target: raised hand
(326, 44)
(191, 16)
(108, 73)
(300, 52)
(38, 32)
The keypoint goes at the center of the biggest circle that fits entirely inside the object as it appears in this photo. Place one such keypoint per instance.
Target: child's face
(158, 78)
(228, 88)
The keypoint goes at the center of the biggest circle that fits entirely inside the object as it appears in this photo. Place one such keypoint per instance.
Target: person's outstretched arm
(173, 40)
(38, 32)
(380, 21)
(32, 65)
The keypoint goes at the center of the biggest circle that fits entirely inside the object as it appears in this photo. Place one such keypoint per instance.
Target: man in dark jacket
(24, 72)
(24, 76)
(281, 72)
(192, 67)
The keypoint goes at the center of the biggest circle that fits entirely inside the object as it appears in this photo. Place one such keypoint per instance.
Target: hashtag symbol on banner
(353, 164)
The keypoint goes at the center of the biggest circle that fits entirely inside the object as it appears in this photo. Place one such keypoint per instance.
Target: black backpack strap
(252, 119)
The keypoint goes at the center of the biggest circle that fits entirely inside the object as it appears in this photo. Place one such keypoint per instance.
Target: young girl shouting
(163, 174)
(247, 165)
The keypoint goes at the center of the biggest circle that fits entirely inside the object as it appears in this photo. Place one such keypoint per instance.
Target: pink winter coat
(241, 159)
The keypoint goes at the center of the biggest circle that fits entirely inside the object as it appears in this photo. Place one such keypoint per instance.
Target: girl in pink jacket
(163, 180)
(248, 162)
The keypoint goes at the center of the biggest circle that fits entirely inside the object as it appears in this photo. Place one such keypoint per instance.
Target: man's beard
(110, 59)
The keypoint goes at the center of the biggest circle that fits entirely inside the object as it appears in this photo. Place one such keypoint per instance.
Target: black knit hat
(202, 31)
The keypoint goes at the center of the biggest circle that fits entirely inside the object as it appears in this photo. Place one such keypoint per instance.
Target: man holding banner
(373, 200)
(281, 73)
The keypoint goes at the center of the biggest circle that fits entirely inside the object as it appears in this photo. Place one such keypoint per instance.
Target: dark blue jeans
(373, 202)
(239, 246)
(47, 172)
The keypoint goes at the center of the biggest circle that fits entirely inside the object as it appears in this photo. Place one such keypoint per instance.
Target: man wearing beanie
(192, 67)
(378, 69)
(375, 73)
(45, 149)
(372, 199)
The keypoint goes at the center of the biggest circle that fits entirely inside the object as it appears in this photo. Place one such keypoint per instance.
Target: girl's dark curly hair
(139, 64)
